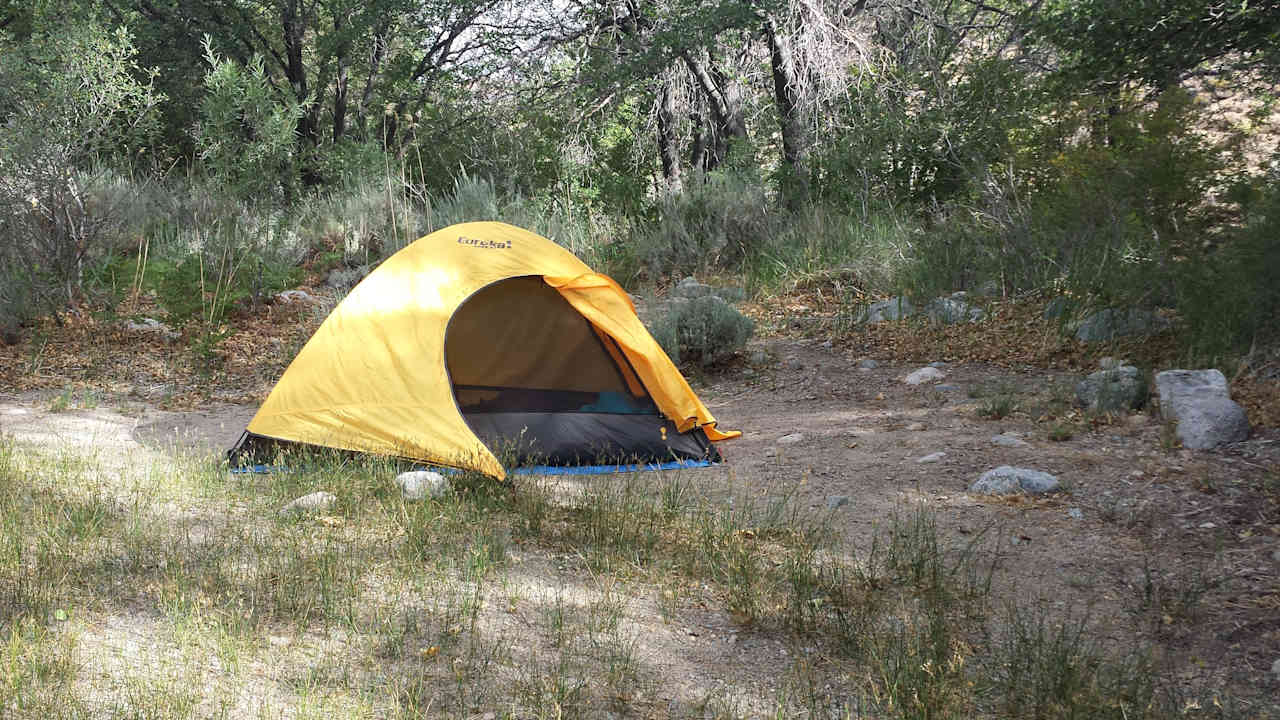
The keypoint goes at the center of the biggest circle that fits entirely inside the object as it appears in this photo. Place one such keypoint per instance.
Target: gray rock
(1199, 402)
(1008, 440)
(1121, 388)
(836, 501)
(946, 388)
(931, 458)
(1275, 668)
(1111, 323)
(867, 364)
(758, 357)
(937, 364)
(691, 288)
(1006, 480)
(790, 439)
(924, 375)
(315, 502)
(151, 326)
(1075, 513)
(294, 296)
(890, 310)
(949, 311)
(421, 484)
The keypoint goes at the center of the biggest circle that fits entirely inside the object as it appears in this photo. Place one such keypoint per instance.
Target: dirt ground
(1158, 545)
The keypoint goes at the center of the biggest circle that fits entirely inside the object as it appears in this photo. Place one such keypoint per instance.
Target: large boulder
(893, 309)
(1006, 480)
(1115, 389)
(1201, 405)
(1111, 323)
(952, 310)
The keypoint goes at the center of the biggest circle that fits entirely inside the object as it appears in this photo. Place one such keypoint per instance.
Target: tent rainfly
(484, 337)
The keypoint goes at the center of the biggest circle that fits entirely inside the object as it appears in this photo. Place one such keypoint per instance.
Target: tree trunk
(668, 144)
(787, 89)
(340, 85)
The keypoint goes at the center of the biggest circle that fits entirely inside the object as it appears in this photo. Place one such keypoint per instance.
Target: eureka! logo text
(487, 244)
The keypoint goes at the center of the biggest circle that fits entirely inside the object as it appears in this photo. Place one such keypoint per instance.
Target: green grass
(533, 598)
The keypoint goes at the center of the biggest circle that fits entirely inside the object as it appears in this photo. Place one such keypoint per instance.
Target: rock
(1275, 668)
(1110, 363)
(1120, 388)
(1136, 421)
(937, 364)
(790, 439)
(1075, 513)
(896, 308)
(421, 484)
(924, 375)
(152, 326)
(1199, 402)
(836, 501)
(1008, 440)
(1006, 480)
(867, 364)
(946, 388)
(758, 357)
(1111, 323)
(828, 344)
(949, 311)
(915, 427)
(315, 502)
(292, 296)
(691, 288)
(1057, 308)
(931, 458)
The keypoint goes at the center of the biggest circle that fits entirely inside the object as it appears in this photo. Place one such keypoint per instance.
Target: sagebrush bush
(704, 331)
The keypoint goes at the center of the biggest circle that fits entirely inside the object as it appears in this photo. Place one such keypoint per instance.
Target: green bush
(704, 331)
(71, 101)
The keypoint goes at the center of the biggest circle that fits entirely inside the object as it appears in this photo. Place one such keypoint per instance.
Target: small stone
(1276, 556)
(315, 502)
(924, 375)
(292, 296)
(828, 344)
(1208, 526)
(1275, 668)
(758, 357)
(937, 364)
(1008, 440)
(421, 484)
(837, 501)
(931, 457)
(1006, 480)
(790, 439)
(890, 310)
(915, 427)
(946, 388)
(867, 364)
(1075, 513)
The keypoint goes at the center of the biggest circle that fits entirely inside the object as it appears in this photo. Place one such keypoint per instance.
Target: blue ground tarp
(533, 469)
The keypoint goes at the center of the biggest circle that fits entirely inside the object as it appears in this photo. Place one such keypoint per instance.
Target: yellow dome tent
(482, 337)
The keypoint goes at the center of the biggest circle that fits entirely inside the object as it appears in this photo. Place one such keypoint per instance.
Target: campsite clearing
(174, 586)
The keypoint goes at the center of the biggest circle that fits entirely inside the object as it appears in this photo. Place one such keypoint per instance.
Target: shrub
(68, 102)
(705, 330)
